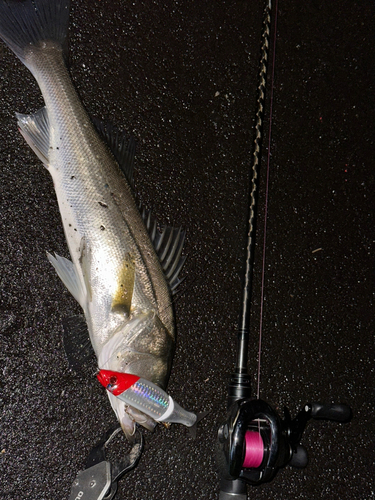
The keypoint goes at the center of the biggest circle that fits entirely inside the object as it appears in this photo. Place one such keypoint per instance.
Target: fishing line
(244, 328)
(266, 198)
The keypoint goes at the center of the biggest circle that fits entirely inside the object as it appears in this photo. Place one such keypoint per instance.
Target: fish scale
(115, 273)
(84, 173)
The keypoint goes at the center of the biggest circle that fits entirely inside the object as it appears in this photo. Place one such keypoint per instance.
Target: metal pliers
(99, 480)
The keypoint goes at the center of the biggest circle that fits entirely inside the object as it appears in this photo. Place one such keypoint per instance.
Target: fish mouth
(121, 354)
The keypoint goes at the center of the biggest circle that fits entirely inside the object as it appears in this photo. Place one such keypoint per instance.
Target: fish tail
(26, 24)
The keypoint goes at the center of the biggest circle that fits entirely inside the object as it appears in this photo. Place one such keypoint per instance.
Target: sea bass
(122, 269)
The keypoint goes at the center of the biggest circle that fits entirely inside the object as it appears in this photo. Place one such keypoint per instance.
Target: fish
(123, 269)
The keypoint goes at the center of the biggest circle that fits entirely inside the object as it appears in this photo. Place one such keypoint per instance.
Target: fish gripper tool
(99, 479)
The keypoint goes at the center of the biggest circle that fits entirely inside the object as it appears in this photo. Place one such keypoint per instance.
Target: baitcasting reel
(254, 442)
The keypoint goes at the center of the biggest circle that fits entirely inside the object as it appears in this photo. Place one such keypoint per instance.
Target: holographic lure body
(145, 397)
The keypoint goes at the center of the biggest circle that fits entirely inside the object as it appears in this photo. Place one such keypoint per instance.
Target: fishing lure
(146, 397)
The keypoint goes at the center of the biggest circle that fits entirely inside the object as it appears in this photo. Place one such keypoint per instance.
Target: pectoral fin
(122, 298)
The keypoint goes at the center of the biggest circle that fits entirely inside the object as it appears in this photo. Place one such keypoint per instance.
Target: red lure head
(116, 382)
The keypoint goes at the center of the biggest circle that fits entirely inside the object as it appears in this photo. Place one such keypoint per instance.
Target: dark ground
(181, 78)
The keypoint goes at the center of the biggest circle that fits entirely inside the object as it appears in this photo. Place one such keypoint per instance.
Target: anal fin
(35, 130)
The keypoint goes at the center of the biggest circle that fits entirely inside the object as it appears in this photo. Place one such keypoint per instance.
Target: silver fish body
(115, 273)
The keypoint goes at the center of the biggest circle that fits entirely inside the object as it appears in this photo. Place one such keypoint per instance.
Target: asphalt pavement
(181, 78)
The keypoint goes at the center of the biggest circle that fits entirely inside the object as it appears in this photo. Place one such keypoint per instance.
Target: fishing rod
(255, 442)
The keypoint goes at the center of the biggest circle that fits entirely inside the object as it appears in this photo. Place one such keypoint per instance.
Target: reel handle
(335, 412)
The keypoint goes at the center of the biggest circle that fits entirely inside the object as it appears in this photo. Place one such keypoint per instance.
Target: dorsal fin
(169, 242)
(168, 245)
(121, 146)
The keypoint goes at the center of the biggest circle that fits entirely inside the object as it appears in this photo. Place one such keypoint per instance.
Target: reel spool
(255, 450)
(250, 441)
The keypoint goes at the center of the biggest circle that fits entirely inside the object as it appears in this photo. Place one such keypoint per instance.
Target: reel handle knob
(335, 412)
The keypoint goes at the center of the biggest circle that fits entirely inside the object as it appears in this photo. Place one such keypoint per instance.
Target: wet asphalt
(181, 78)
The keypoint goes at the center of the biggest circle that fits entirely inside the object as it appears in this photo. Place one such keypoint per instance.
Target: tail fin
(26, 23)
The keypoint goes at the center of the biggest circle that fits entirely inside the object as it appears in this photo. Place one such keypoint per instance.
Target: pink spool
(254, 450)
